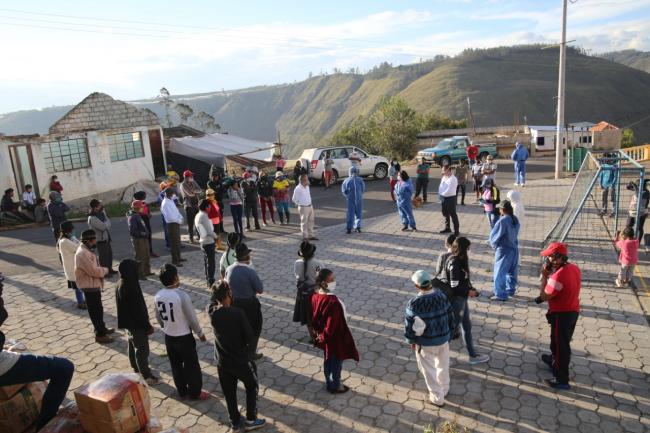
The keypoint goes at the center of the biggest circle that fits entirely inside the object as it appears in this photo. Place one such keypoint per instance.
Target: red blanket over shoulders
(328, 320)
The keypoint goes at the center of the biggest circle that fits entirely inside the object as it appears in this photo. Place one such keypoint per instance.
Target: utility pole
(560, 95)
(471, 118)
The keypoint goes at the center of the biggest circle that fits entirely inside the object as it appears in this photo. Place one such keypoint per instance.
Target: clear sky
(56, 52)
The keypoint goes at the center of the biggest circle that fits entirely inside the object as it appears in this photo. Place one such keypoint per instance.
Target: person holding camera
(560, 287)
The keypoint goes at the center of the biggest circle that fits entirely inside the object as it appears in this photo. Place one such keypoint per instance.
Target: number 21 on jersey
(164, 314)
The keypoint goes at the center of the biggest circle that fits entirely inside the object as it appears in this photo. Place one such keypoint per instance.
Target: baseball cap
(421, 278)
(188, 173)
(555, 248)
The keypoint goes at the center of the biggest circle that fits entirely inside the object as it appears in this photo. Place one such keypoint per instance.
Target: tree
(207, 122)
(397, 127)
(628, 140)
(184, 111)
(433, 121)
(166, 100)
(357, 133)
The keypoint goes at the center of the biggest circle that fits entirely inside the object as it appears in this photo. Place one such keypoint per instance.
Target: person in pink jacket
(90, 279)
(629, 256)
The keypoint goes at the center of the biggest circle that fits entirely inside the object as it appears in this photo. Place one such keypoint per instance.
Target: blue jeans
(237, 212)
(77, 293)
(492, 218)
(332, 368)
(461, 318)
(32, 368)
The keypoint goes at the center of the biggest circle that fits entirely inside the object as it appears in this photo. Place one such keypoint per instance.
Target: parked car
(371, 165)
(452, 149)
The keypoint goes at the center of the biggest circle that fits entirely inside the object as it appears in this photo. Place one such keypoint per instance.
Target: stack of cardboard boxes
(20, 406)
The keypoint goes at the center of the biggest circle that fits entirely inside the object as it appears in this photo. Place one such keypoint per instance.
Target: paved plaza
(611, 346)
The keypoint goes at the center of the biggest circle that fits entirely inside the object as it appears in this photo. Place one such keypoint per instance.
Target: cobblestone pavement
(610, 364)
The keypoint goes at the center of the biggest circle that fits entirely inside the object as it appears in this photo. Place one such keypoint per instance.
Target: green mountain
(632, 58)
(504, 84)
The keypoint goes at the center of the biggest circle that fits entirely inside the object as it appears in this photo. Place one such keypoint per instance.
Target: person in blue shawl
(504, 241)
(520, 156)
(404, 194)
(353, 188)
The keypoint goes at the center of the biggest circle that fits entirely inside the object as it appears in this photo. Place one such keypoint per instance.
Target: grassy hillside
(503, 84)
(632, 58)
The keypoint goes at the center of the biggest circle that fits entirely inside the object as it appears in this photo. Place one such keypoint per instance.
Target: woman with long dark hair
(404, 193)
(458, 276)
(332, 332)
(305, 269)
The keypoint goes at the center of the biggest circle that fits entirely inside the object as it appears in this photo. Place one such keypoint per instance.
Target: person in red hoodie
(55, 185)
(472, 153)
(332, 332)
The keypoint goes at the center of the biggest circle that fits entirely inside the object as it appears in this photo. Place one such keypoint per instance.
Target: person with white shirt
(29, 198)
(177, 318)
(174, 219)
(447, 192)
(207, 237)
(302, 199)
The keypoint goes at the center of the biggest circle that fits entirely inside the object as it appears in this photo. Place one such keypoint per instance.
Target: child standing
(177, 318)
(477, 175)
(628, 257)
(461, 173)
(132, 315)
(489, 199)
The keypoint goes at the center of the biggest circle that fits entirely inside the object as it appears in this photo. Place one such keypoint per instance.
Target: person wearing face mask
(560, 287)
(504, 240)
(89, 276)
(404, 193)
(393, 175)
(173, 219)
(67, 247)
(265, 191)
(332, 332)
(56, 210)
(281, 196)
(139, 238)
(101, 224)
(246, 285)
(251, 199)
(353, 188)
(190, 191)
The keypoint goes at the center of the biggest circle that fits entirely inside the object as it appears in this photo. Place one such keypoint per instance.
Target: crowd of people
(438, 314)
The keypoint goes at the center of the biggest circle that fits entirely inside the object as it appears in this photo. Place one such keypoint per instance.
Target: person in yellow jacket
(281, 195)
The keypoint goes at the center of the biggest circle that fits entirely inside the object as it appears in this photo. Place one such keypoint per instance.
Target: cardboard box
(21, 411)
(116, 403)
(6, 392)
(153, 426)
(66, 421)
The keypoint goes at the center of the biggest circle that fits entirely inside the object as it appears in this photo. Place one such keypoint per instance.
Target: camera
(631, 186)
(547, 264)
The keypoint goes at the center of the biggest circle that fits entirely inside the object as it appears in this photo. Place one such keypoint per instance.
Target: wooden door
(157, 157)
(22, 162)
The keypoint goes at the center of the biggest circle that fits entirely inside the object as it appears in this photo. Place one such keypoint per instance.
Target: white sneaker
(523, 185)
(479, 359)
(516, 184)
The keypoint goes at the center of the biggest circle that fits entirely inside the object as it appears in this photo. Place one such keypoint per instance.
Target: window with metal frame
(125, 146)
(65, 155)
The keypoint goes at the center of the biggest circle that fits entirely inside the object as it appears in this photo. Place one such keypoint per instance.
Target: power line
(263, 33)
(131, 31)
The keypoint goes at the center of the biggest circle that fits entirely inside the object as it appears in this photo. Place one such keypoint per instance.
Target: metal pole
(560, 95)
(637, 228)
